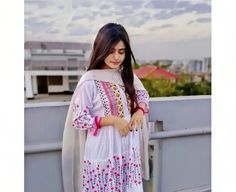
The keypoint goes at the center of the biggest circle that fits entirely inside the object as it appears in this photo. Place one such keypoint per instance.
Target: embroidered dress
(111, 162)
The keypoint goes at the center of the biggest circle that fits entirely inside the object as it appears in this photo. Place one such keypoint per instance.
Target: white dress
(111, 162)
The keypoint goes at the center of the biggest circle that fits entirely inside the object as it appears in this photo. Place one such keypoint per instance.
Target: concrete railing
(180, 133)
(187, 152)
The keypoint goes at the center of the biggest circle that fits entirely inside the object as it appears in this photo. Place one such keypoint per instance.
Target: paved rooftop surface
(49, 97)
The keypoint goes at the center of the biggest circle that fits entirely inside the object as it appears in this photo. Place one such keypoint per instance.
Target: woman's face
(115, 57)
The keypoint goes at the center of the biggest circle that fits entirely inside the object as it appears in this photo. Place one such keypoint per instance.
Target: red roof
(153, 72)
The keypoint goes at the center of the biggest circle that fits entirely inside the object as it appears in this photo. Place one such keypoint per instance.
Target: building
(194, 66)
(207, 64)
(199, 69)
(53, 67)
(177, 67)
(199, 66)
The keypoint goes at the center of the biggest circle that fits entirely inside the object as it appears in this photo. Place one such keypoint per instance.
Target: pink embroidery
(142, 97)
(118, 173)
(98, 125)
(82, 118)
(110, 97)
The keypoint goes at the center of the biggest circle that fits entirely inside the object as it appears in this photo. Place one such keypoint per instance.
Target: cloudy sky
(158, 29)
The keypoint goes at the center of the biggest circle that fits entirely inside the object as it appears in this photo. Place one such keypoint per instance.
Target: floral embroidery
(142, 97)
(119, 173)
(103, 97)
(127, 98)
(119, 106)
(111, 98)
(82, 118)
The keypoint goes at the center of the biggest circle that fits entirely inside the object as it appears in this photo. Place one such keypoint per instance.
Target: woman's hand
(136, 120)
(121, 125)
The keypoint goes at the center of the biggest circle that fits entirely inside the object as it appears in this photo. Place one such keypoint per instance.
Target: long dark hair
(108, 36)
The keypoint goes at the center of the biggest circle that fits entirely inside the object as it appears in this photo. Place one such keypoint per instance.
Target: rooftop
(41, 98)
(150, 71)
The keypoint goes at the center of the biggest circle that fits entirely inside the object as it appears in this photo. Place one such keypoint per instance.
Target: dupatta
(74, 139)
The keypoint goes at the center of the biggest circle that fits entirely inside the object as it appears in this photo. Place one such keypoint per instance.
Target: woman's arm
(83, 103)
(143, 108)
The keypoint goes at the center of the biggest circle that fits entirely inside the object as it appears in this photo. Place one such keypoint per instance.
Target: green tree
(156, 63)
(160, 87)
(165, 66)
(136, 65)
(184, 78)
(164, 87)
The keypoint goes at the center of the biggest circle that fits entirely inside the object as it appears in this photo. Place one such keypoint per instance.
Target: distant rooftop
(150, 71)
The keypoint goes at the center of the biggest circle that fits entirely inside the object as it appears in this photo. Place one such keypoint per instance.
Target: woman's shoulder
(138, 83)
(86, 83)
(88, 76)
(86, 87)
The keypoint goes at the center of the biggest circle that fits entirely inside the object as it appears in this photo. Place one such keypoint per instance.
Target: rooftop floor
(49, 97)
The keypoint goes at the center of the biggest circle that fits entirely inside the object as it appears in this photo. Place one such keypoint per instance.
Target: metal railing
(179, 133)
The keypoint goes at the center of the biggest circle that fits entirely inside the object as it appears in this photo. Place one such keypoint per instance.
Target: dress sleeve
(143, 97)
(82, 105)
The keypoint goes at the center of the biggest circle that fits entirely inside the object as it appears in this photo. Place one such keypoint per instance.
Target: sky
(158, 29)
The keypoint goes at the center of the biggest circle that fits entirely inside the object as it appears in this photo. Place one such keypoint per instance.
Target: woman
(103, 143)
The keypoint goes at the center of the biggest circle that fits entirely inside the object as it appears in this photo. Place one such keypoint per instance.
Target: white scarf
(74, 140)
